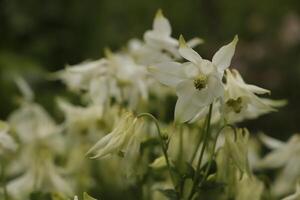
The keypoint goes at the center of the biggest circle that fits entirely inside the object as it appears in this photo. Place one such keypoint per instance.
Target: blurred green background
(38, 37)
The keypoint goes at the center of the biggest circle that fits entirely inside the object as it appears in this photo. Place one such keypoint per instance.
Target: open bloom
(198, 82)
(241, 100)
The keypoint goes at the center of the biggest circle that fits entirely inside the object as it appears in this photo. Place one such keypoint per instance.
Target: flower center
(235, 104)
(200, 82)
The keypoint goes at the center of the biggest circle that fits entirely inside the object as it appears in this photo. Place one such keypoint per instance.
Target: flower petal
(161, 24)
(189, 101)
(223, 56)
(168, 73)
(188, 53)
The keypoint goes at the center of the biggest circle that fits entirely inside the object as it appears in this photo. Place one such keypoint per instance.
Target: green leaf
(87, 197)
(170, 194)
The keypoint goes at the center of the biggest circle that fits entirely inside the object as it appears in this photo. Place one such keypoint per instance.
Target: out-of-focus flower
(41, 175)
(198, 82)
(78, 118)
(287, 156)
(7, 143)
(241, 100)
(78, 77)
(160, 36)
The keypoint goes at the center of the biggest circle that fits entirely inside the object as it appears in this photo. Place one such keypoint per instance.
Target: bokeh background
(38, 37)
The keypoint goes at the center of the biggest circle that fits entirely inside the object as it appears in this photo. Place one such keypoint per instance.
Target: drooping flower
(198, 82)
(241, 100)
(117, 142)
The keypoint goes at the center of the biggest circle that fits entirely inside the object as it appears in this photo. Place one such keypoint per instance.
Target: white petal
(168, 73)
(270, 142)
(194, 42)
(188, 104)
(188, 53)
(223, 56)
(161, 24)
(257, 90)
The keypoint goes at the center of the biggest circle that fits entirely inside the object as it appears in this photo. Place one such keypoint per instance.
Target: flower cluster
(123, 119)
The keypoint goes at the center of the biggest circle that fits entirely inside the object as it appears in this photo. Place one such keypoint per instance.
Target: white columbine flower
(285, 156)
(198, 82)
(241, 100)
(120, 139)
(160, 35)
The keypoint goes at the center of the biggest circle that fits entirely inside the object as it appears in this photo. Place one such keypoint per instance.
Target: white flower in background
(285, 156)
(78, 118)
(160, 36)
(124, 133)
(241, 100)
(131, 78)
(31, 122)
(41, 175)
(78, 77)
(197, 82)
(159, 45)
(7, 143)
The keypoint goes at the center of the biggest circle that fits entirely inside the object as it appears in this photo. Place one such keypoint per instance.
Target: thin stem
(198, 143)
(205, 141)
(163, 145)
(213, 150)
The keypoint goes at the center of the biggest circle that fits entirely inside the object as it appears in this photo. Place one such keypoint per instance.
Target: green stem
(205, 141)
(163, 144)
(198, 143)
(213, 150)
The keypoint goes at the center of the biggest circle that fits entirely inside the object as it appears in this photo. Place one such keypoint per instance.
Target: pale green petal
(188, 53)
(161, 24)
(168, 73)
(223, 56)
